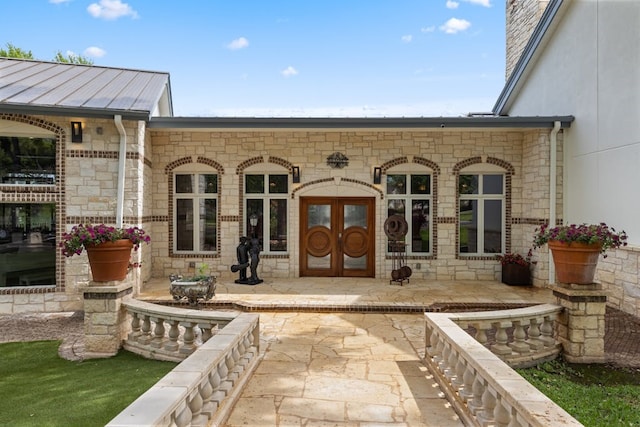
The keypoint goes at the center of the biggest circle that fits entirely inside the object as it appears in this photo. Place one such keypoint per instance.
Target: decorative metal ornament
(337, 160)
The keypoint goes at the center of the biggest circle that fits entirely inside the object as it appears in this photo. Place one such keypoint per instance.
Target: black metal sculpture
(242, 252)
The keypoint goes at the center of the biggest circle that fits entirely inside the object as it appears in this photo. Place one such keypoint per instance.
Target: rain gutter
(122, 159)
(553, 193)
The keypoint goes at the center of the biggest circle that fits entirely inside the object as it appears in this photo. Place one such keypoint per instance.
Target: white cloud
(485, 3)
(430, 29)
(94, 52)
(452, 4)
(111, 9)
(289, 71)
(455, 25)
(407, 39)
(239, 43)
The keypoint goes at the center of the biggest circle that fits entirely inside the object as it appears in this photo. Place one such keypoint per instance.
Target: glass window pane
(492, 226)
(420, 184)
(278, 225)
(27, 161)
(254, 184)
(492, 184)
(468, 226)
(27, 244)
(184, 224)
(208, 226)
(278, 184)
(184, 183)
(396, 184)
(355, 216)
(420, 226)
(254, 209)
(468, 184)
(396, 206)
(319, 215)
(208, 183)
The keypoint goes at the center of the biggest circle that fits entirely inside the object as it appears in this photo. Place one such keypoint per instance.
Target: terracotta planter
(516, 274)
(110, 261)
(575, 262)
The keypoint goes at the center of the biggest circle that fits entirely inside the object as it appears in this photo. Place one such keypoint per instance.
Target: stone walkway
(326, 364)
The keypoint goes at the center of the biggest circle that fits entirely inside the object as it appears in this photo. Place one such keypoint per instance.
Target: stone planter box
(193, 289)
(516, 274)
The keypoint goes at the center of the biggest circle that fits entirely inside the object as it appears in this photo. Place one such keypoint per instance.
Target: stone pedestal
(581, 325)
(105, 320)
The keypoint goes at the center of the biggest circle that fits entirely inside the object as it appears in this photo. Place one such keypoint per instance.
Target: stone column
(581, 325)
(105, 320)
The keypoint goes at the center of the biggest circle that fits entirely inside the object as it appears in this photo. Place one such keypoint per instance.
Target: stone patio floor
(340, 352)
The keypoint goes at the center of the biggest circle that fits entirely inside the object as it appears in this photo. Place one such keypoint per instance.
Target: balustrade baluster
(519, 345)
(489, 403)
(188, 338)
(206, 392)
(195, 405)
(135, 327)
(183, 417)
(231, 364)
(458, 381)
(145, 336)
(466, 392)
(158, 333)
(207, 331)
(174, 333)
(501, 413)
(452, 361)
(481, 333)
(434, 351)
(534, 335)
(500, 347)
(475, 404)
(443, 364)
(546, 331)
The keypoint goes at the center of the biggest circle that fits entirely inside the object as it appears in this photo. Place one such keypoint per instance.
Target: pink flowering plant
(601, 234)
(515, 258)
(75, 241)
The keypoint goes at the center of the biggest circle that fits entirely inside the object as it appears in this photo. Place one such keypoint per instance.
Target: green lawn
(38, 388)
(596, 395)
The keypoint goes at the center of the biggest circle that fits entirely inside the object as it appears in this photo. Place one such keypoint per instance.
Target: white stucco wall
(591, 69)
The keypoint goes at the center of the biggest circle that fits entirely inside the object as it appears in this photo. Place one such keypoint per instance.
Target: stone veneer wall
(85, 192)
(444, 153)
(522, 17)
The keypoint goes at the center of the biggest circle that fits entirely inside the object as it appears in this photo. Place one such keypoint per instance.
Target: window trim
(195, 198)
(408, 197)
(480, 197)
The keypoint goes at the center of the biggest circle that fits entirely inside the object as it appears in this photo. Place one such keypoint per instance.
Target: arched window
(481, 212)
(410, 194)
(195, 201)
(266, 209)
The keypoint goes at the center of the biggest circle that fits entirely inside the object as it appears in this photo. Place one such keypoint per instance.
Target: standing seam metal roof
(75, 89)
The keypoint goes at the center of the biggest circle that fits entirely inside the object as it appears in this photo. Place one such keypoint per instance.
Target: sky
(285, 58)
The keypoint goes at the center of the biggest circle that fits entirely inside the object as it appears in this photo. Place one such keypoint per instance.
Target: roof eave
(256, 123)
(529, 53)
(103, 113)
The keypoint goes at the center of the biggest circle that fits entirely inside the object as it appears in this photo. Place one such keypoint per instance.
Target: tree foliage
(15, 52)
(12, 51)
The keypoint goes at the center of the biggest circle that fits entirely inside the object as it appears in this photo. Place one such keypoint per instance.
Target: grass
(41, 389)
(596, 395)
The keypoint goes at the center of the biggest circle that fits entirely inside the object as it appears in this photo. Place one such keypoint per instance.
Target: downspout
(553, 173)
(122, 159)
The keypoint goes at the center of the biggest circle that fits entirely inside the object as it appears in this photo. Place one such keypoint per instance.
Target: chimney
(522, 17)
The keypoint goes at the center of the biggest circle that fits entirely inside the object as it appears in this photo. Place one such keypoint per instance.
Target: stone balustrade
(202, 388)
(480, 385)
(521, 337)
(169, 333)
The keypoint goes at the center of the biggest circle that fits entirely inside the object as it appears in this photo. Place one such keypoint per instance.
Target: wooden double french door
(337, 236)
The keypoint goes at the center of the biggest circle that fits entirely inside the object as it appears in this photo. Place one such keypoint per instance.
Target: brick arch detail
(330, 180)
(179, 162)
(210, 162)
(249, 162)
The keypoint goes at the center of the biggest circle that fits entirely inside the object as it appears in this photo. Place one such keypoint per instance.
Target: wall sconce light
(377, 175)
(253, 222)
(296, 174)
(76, 131)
